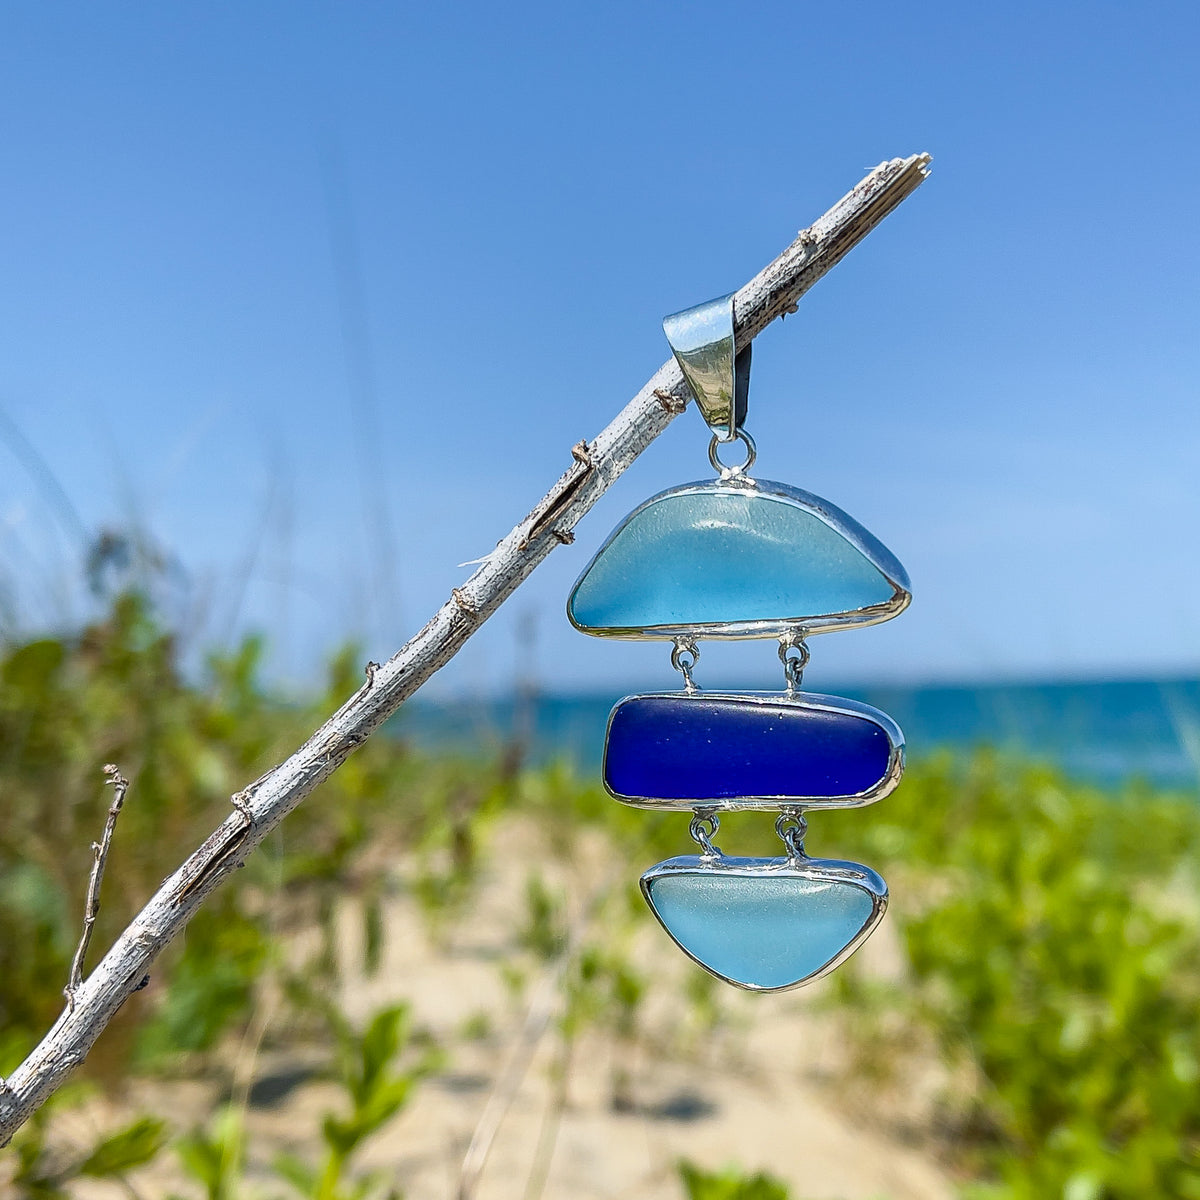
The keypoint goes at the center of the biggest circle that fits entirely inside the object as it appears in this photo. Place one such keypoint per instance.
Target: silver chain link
(684, 665)
(703, 828)
(790, 828)
(794, 654)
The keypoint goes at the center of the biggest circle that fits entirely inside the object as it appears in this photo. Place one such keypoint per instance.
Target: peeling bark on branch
(260, 807)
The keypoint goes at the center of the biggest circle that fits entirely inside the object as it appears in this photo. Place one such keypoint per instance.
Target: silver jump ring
(684, 665)
(790, 828)
(794, 664)
(727, 472)
(703, 828)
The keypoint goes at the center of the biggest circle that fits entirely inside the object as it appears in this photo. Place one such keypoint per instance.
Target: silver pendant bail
(718, 374)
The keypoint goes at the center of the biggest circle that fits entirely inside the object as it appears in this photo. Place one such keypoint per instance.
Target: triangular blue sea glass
(737, 560)
(765, 924)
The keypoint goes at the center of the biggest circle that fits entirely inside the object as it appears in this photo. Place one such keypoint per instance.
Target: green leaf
(729, 1184)
(379, 1045)
(341, 1136)
(385, 1101)
(133, 1146)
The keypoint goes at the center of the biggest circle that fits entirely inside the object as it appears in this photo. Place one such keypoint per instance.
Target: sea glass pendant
(750, 750)
(737, 559)
(765, 924)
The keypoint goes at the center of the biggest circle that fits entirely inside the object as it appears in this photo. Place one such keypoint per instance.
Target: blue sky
(269, 270)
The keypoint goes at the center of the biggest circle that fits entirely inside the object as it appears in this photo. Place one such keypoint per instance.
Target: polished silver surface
(719, 376)
(803, 626)
(809, 700)
(825, 870)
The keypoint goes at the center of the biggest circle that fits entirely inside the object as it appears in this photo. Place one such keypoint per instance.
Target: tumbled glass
(731, 559)
(761, 931)
(717, 748)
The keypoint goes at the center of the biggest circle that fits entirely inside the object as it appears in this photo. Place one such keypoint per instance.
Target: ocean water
(1102, 732)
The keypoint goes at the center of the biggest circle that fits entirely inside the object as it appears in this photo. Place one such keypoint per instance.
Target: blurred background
(302, 309)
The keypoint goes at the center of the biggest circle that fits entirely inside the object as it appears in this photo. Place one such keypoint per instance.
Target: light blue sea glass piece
(765, 924)
(737, 559)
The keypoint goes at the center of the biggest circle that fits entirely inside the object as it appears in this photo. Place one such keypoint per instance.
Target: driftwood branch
(261, 806)
(91, 908)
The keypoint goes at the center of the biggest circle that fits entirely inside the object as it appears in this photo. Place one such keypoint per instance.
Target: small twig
(556, 1105)
(537, 1019)
(545, 1002)
(120, 786)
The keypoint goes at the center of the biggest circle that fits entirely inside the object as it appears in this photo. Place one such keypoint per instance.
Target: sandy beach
(761, 1089)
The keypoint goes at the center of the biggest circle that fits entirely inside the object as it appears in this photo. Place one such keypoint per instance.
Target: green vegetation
(376, 1087)
(43, 1172)
(1050, 933)
(116, 693)
(729, 1184)
(1053, 946)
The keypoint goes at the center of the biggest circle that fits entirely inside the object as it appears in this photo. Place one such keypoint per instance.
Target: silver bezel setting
(825, 870)
(808, 700)
(874, 551)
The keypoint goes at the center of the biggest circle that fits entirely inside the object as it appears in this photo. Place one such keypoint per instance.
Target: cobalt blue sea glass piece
(737, 558)
(750, 750)
(765, 924)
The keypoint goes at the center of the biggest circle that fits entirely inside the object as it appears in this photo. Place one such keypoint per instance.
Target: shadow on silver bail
(718, 374)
